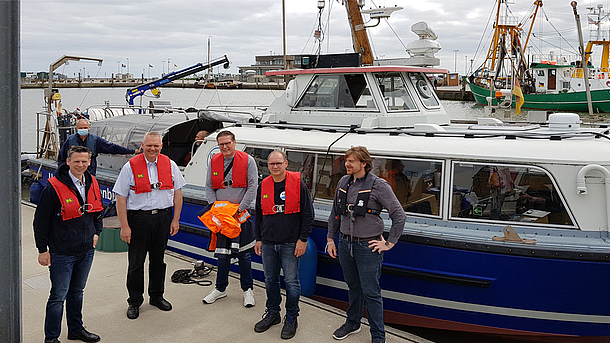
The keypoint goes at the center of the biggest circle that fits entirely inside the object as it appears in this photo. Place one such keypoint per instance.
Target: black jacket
(284, 228)
(52, 233)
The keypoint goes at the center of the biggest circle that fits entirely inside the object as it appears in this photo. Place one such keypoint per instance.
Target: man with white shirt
(147, 189)
(67, 225)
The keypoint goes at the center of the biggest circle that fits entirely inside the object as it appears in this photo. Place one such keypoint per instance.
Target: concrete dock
(227, 320)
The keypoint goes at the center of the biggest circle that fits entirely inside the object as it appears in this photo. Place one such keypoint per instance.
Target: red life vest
(292, 192)
(140, 173)
(240, 170)
(70, 207)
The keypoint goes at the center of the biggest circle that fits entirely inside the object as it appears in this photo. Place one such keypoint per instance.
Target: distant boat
(554, 85)
(228, 84)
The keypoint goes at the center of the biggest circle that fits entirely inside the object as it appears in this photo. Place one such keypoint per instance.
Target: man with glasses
(284, 216)
(233, 176)
(359, 199)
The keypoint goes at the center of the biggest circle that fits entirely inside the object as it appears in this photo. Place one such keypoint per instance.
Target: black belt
(149, 212)
(359, 239)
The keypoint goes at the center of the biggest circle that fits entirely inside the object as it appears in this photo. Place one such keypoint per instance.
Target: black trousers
(149, 233)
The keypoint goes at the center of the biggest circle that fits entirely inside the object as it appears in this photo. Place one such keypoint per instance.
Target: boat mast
(360, 38)
(583, 64)
(208, 79)
(538, 4)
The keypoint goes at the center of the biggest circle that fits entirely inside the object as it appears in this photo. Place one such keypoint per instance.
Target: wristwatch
(303, 240)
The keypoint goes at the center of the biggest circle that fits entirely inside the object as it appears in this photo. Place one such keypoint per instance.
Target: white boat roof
(348, 70)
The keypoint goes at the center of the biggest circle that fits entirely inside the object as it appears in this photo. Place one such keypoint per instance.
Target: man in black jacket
(284, 216)
(67, 225)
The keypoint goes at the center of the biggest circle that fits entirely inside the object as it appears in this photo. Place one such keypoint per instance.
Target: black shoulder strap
(229, 167)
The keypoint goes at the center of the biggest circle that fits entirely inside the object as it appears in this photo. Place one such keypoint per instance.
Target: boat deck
(190, 320)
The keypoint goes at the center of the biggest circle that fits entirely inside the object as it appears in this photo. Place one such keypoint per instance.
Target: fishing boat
(557, 84)
(508, 224)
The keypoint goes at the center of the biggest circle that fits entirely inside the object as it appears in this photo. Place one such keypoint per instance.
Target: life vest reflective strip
(70, 206)
(89, 142)
(140, 173)
(292, 194)
(220, 219)
(239, 174)
(360, 208)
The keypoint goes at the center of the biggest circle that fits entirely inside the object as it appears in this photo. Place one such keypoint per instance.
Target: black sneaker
(290, 327)
(344, 331)
(269, 319)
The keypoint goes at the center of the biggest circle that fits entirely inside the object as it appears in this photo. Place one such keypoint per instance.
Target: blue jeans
(274, 257)
(361, 271)
(245, 271)
(68, 278)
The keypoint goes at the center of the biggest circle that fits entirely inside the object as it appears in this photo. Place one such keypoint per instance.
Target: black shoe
(290, 327)
(84, 336)
(133, 312)
(269, 319)
(344, 331)
(161, 304)
(54, 340)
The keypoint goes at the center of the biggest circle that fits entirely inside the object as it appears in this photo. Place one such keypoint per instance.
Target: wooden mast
(360, 38)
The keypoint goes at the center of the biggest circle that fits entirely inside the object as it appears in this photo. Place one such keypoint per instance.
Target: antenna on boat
(585, 69)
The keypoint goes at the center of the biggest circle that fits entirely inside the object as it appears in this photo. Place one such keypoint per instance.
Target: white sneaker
(213, 296)
(249, 298)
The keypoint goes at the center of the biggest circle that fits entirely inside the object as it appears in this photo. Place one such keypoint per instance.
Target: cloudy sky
(140, 33)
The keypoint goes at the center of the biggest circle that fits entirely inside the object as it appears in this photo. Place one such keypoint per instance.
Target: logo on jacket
(283, 195)
(265, 196)
(69, 200)
(140, 176)
(360, 203)
(215, 173)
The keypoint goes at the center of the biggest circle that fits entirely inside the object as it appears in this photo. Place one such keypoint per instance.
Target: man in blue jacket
(67, 225)
(95, 144)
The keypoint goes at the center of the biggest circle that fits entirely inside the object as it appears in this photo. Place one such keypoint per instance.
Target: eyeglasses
(275, 164)
(224, 144)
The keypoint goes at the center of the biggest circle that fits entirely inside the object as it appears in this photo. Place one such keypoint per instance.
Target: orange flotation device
(221, 219)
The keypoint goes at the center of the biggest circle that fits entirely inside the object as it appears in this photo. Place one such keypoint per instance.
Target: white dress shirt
(80, 186)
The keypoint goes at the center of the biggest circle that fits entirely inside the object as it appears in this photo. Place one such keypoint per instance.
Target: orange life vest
(70, 207)
(292, 195)
(220, 219)
(240, 170)
(140, 173)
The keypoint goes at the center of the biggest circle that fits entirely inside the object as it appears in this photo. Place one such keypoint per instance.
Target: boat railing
(99, 112)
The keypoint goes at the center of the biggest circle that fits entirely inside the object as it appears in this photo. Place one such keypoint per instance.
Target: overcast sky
(140, 33)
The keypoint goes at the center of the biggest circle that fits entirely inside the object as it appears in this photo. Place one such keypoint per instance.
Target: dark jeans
(274, 257)
(361, 270)
(68, 278)
(245, 271)
(149, 234)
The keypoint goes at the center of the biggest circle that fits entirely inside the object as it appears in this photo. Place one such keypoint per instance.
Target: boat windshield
(394, 90)
(343, 91)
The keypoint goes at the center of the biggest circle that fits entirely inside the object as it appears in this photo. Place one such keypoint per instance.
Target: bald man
(97, 145)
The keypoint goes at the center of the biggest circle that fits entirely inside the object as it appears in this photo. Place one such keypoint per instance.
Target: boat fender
(35, 190)
(308, 266)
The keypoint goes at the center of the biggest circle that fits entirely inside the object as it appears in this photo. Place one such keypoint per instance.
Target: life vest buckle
(156, 185)
(85, 208)
(227, 183)
(278, 209)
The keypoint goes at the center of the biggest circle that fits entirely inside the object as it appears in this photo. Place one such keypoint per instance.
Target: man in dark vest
(148, 188)
(67, 225)
(233, 176)
(284, 216)
(97, 145)
(359, 199)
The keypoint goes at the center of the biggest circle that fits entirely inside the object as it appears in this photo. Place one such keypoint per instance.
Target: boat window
(328, 172)
(506, 193)
(540, 72)
(304, 163)
(394, 92)
(337, 91)
(260, 156)
(116, 134)
(424, 89)
(416, 183)
(566, 84)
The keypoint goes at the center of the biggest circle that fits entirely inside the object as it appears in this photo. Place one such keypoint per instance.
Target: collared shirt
(79, 185)
(370, 225)
(238, 195)
(156, 199)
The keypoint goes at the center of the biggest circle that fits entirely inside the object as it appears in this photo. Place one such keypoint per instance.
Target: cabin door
(552, 79)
